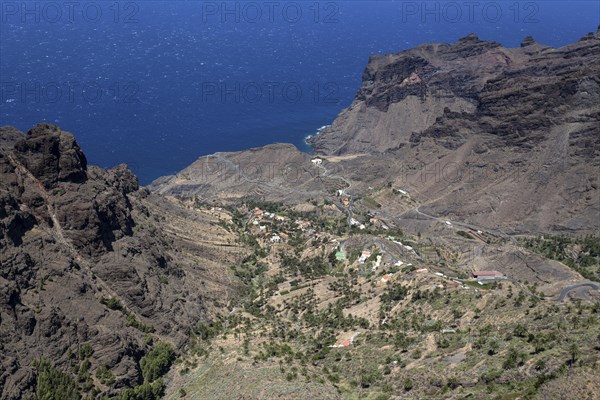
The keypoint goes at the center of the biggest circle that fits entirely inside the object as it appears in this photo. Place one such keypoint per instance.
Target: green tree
(157, 362)
(146, 391)
(493, 347)
(513, 359)
(574, 352)
(520, 331)
(53, 384)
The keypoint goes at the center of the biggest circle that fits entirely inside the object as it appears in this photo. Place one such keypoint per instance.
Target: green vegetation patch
(157, 362)
(580, 253)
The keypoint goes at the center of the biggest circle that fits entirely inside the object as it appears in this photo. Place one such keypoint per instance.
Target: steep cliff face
(470, 88)
(73, 236)
(89, 205)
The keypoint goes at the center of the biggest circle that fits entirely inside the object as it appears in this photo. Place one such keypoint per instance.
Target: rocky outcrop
(518, 128)
(278, 172)
(473, 86)
(73, 236)
(51, 156)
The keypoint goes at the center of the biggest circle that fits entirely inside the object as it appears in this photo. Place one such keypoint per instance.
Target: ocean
(156, 84)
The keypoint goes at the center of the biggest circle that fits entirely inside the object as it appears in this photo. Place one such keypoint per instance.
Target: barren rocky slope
(73, 237)
(275, 172)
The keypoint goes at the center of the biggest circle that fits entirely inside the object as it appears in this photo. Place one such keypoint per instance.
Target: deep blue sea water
(156, 84)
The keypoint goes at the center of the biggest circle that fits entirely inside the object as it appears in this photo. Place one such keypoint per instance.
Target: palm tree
(575, 353)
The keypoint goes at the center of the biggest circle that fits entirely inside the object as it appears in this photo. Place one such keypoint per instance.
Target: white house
(275, 239)
(363, 257)
(317, 161)
(377, 262)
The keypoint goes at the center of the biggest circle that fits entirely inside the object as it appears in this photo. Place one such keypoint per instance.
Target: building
(377, 262)
(303, 225)
(487, 274)
(363, 257)
(345, 342)
(317, 161)
(275, 239)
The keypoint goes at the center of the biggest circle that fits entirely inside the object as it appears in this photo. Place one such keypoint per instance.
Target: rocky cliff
(471, 88)
(73, 237)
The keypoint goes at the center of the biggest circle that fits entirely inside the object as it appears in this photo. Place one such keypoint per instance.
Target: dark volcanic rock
(67, 240)
(527, 90)
(52, 156)
(9, 136)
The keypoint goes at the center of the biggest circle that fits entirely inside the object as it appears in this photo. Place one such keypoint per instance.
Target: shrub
(146, 391)
(105, 375)
(513, 359)
(113, 303)
(54, 384)
(157, 362)
(85, 351)
(132, 321)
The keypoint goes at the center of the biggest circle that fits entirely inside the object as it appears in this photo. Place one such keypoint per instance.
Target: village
(364, 249)
(272, 229)
(358, 303)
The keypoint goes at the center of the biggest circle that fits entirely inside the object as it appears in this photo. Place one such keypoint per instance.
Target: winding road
(582, 289)
(582, 292)
(347, 182)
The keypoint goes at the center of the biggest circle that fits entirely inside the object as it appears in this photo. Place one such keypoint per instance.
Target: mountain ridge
(90, 260)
